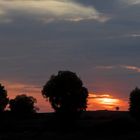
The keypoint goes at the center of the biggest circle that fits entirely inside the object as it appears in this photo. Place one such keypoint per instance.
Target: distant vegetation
(3, 98)
(23, 104)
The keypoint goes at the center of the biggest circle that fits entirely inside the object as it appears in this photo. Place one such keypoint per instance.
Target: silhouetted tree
(117, 108)
(3, 98)
(66, 93)
(23, 104)
(134, 103)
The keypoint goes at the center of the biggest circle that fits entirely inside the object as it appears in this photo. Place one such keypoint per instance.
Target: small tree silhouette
(117, 108)
(134, 103)
(66, 93)
(23, 104)
(3, 98)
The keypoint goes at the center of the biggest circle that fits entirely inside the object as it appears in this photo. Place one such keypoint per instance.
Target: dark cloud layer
(32, 50)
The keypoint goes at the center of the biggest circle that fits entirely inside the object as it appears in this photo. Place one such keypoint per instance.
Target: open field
(96, 125)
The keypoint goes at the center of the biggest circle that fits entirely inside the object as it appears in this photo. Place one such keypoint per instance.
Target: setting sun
(108, 101)
(105, 101)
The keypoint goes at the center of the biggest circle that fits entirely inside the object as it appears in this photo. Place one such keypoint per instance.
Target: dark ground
(96, 125)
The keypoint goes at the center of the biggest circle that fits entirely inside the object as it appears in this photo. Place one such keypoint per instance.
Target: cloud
(3, 17)
(133, 68)
(127, 67)
(51, 10)
(131, 2)
(105, 67)
(134, 35)
(94, 96)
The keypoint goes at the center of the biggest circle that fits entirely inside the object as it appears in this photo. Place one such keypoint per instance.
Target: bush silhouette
(3, 98)
(66, 93)
(134, 103)
(23, 104)
(117, 108)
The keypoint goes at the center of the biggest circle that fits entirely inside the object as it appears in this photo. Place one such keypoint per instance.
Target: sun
(108, 101)
(104, 101)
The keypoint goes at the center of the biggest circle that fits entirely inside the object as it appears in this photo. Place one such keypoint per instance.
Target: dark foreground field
(97, 125)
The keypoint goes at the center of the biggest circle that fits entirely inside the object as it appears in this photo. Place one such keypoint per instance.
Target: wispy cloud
(131, 2)
(51, 10)
(133, 68)
(135, 35)
(132, 35)
(3, 16)
(127, 67)
(105, 67)
(94, 96)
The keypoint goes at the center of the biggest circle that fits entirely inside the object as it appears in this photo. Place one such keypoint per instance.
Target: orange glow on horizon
(14, 89)
(95, 101)
(92, 95)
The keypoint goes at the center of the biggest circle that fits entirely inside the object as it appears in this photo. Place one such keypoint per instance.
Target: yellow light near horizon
(108, 101)
(105, 101)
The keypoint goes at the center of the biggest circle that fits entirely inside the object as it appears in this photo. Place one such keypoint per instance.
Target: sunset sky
(97, 39)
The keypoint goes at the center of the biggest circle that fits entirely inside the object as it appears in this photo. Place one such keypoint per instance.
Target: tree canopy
(3, 98)
(134, 103)
(65, 92)
(23, 104)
